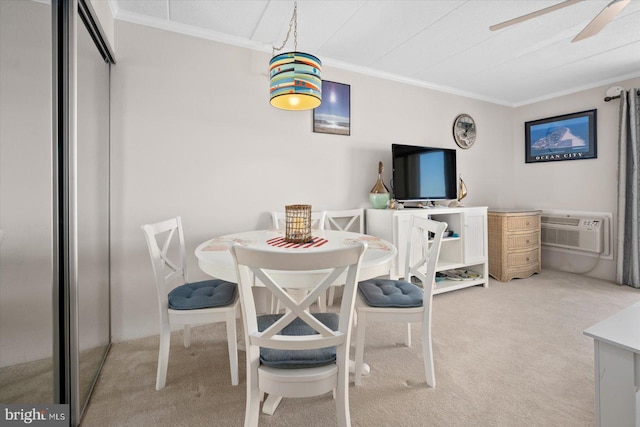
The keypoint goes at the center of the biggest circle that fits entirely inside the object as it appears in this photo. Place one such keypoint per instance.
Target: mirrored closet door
(92, 186)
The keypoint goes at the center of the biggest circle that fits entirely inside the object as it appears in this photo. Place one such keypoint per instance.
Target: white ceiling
(445, 45)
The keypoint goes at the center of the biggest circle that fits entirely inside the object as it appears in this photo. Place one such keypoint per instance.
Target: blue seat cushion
(390, 293)
(205, 294)
(296, 359)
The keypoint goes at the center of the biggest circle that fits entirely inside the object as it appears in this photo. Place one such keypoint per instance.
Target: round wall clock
(464, 131)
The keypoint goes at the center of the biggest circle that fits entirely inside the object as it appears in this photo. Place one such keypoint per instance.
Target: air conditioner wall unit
(571, 232)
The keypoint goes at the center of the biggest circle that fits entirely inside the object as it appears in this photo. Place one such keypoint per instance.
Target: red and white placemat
(280, 242)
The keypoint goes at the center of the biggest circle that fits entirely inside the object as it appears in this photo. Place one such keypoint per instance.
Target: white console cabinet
(466, 250)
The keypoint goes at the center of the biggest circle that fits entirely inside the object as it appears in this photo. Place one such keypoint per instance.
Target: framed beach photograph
(567, 137)
(334, 114)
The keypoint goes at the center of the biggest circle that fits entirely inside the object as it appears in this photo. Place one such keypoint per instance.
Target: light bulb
(294, 100)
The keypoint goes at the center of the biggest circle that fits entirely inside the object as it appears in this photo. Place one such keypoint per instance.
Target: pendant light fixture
(295, 82)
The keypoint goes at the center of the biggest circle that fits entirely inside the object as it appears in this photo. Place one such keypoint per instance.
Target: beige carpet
(512, 354)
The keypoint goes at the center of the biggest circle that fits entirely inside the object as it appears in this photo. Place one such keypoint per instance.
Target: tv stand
(419, 205)
(465, 249)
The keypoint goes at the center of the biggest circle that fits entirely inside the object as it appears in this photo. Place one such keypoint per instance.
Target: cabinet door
(475, 231)
(379, 223)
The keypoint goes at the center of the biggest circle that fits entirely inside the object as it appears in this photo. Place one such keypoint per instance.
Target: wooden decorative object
(379, 194)
(298, 224)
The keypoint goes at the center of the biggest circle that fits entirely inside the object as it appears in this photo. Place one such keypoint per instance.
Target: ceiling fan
(593, 28)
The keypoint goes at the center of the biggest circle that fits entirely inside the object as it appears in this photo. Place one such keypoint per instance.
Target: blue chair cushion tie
(205, 294)
(390, 293)
(296, 359)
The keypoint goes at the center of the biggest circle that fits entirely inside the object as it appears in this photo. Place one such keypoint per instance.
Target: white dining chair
(317, 223)
(384, 300)
(189, 303)
(297, 354)
(343, 220)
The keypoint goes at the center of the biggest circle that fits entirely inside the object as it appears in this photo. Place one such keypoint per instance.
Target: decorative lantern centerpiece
(298, 224)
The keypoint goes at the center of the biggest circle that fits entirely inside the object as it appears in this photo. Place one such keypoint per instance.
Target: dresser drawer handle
(527, 258)
(528, 241)
(528, 223)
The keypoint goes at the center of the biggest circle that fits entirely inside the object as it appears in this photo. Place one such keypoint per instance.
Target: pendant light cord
(293, 23)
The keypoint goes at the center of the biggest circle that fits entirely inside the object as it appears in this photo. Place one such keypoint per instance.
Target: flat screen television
(423, 173)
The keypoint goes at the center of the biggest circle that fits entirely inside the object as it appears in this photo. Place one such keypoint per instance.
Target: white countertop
(621, 330)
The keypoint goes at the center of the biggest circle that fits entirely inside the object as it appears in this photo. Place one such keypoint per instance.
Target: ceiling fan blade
(602, 19)
(533, 15)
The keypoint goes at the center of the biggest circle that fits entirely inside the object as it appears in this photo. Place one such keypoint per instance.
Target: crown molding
(577, 89)
(189, 30)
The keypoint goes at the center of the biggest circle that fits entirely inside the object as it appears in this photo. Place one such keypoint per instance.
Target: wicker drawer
(521, 259)
(523, 223)
(514, 243)
(523, 241)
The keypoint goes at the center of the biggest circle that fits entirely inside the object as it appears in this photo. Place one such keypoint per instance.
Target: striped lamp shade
(295, 82)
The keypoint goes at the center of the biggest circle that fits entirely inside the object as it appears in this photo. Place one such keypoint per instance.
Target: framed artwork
(334, 114)
(566, 137)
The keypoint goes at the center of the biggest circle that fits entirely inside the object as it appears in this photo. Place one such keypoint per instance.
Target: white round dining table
(215, 259)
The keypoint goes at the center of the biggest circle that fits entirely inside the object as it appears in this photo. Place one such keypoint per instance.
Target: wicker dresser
(514, 243)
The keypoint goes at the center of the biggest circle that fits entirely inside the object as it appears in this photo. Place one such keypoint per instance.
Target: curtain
(628, 259)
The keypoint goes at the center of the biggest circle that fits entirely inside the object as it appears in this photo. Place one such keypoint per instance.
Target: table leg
(271, 404)
(366, 370)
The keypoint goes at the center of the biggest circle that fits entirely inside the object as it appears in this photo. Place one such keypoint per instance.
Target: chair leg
(252, 408)
(343, 414)
(360, 331)
(275, 305)
(332, 294)
(322, 303)
(187, 336)
(427, 354)
(232, 344)
(163, 357)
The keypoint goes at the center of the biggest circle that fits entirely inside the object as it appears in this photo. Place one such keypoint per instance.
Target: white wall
(26, 259)
(193, 134)
(589, 185)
